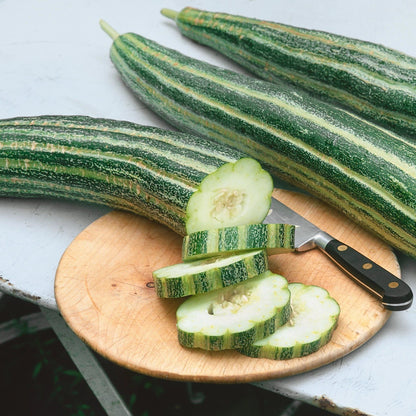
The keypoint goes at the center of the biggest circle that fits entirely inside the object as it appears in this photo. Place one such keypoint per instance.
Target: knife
(394, 294)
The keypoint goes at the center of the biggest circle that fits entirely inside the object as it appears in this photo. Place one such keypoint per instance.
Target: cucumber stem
(171, 14)
(109, 30)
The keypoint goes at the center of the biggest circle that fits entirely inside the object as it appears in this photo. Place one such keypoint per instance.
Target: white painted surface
(54, 60)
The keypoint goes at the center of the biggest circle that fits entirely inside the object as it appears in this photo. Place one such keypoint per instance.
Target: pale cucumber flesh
(313, 319)
(235, 316)
(235, 194)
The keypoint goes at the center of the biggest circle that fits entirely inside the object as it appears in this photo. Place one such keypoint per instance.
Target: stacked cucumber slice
(275, 238)
(234, 301)
(312, 321)
(200, 276)
(235, 316)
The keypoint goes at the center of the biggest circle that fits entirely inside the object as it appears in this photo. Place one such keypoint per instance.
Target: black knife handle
(395, 294)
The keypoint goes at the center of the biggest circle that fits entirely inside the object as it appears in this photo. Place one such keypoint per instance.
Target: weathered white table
(54, 60)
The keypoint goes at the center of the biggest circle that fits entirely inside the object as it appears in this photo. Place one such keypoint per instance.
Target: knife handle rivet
(367, 266)
(342, 247)
(393, 285)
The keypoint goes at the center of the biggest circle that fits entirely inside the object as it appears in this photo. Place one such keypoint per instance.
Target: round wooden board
(104, 290)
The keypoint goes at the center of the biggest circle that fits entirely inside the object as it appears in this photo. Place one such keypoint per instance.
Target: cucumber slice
(202, 276)
(313, 319)
(235, 194)
(276, 238)
(234, 316)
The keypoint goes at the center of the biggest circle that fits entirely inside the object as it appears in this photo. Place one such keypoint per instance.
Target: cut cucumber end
(313, 319)
(235, 194)
(235, 316)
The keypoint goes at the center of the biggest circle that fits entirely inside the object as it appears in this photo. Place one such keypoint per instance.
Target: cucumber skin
(377, 82)
(287, 353)
(275, 238)
(215, 278)
(141, 169)
(364, 171)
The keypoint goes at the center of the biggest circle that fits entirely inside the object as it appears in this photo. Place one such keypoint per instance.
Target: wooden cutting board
(105, 292)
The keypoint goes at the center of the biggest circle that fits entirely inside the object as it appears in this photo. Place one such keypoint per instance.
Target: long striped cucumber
(275, 238)
(146, 170)
(200, 276)
(312, 321)
(370, 79)
(235, 316)
(365, 171)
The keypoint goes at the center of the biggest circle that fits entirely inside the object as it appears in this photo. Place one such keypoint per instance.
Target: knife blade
(393, 292)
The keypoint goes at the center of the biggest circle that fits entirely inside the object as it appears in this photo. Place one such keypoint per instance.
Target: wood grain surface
(104, 290)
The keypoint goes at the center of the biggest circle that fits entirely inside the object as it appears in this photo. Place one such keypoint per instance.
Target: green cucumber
(365, 171)
(370, 79)
(200, 276)
(145, 170)
(235, 316)
(312, 322)
(236, 193)
(275, 238)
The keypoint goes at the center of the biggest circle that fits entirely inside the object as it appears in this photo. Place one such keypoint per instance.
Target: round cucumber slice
(201, 276)
(234, 194)
(235, 316)
(275, 238)
(313, 319)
